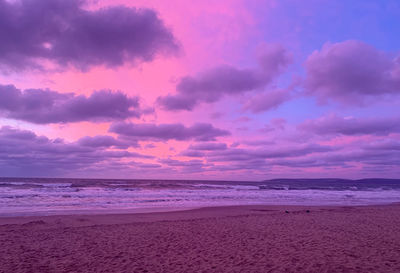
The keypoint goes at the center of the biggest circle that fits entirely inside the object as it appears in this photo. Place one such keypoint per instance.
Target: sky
(226, 90)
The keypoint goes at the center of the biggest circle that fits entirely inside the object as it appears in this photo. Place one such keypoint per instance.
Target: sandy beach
(221, 239)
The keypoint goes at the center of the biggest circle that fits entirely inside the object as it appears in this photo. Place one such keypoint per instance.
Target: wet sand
(223, 239)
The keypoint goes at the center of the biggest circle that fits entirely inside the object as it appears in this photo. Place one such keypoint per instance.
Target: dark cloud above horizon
(240, 154)
(185, 166)
(164, 132)
(43, 106)
(211, 85)
(104, 141)
(65, 33)
(383, 153)
(351, 72)
(200, 149)
(231, 159)
(260, 156)
(333, 124)
(376, 154)
(208, 146)
(22, 152)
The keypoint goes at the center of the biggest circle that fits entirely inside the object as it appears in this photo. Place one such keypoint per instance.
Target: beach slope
(223, 239)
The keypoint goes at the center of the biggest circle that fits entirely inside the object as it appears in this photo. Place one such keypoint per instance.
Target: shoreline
(120, 217)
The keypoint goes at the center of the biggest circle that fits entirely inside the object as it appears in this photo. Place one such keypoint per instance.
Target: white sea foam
(61, 198)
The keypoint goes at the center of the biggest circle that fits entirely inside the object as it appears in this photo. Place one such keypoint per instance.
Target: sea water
(52, 196)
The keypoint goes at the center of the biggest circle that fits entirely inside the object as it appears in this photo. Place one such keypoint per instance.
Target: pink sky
(244, 90)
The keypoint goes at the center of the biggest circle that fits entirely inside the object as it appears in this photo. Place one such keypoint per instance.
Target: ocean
(55, 196)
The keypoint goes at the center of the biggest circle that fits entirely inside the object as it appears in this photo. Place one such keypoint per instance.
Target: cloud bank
(24, 152)
(211, 85)
(43, 106)
(351, 71)
(65, 33)
(267, 101)
(331, 125)
(164, 132)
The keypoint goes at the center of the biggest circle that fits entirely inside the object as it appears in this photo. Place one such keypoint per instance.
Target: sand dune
(227, 239)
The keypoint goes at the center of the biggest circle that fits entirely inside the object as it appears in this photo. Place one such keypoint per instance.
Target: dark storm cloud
(65, 33)
(45, 106)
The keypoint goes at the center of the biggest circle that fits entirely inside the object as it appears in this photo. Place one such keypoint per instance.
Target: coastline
(219, 239)
(177, 213)
(82, 218)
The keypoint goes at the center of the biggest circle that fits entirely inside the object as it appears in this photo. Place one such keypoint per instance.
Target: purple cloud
(237, 154)
(190, 166)
(104, 141)
(199, 149)
(367, 154)
(351, 126)
(208, 146)
(179, 163)
(192, 153)
(240, 158)
(265, 157)
(163, 132)
(384, 145)
(273, 58)
(66, 33)
(23, 152)
(376, 153)
(267, 101)
(351, 71)
(45, 106)
(213, 84)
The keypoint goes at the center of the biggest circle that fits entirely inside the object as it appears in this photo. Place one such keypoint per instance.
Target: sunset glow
(239, 90)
